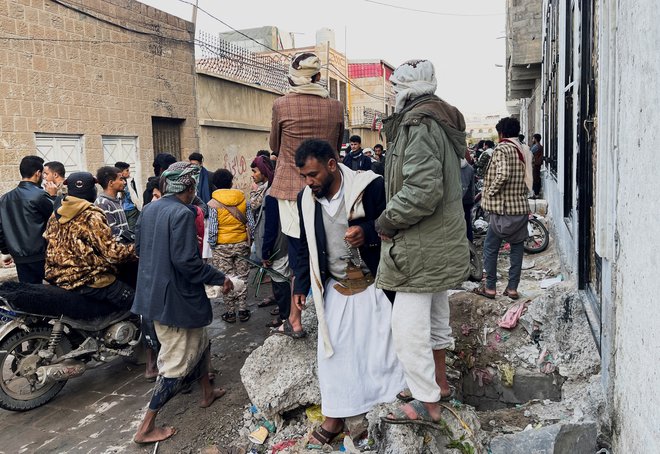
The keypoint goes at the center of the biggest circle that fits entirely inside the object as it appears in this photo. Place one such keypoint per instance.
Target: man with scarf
(339, 254)
(170, 292)
(506, 187)
(425, 250)
(306, 112)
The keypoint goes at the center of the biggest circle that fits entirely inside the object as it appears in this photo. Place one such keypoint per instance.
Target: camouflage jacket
(81, 249)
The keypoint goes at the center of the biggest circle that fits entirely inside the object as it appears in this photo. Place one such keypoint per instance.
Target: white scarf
(411, 80)
(304, 66)
(354, 185)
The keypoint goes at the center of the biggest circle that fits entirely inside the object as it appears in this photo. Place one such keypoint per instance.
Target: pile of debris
(526, 375)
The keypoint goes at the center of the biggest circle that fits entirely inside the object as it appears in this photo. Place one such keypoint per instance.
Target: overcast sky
(464, 46)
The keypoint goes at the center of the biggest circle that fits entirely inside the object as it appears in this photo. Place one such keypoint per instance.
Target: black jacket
(24, 212)
(360, 162)
(373, 200)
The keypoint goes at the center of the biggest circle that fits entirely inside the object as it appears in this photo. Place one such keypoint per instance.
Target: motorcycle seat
(96, 324)
(52, 301)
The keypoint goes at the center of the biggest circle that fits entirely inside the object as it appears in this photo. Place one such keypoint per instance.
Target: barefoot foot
(154, 435)
(208, 400)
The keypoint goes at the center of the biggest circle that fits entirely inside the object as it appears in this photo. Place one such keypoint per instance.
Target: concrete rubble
(534, 388)
(554, 439)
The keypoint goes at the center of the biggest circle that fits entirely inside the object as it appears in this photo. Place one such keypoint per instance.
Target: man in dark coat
(356, 159)
(170, 291)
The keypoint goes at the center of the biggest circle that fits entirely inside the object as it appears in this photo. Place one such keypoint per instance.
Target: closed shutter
(125, 149)
(167, 136)
(63, 148)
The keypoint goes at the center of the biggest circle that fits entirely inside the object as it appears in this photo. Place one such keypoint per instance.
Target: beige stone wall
(235, 121)
(66, 72)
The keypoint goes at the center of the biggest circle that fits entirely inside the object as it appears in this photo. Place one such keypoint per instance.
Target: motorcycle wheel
(539, 238)
(19, 392)
(476, 264)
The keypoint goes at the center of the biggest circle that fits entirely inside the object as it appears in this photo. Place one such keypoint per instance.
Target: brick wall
(66, 72)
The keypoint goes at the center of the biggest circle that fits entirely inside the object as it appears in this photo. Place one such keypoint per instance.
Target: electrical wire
(122, 27)
(232, 28)
(437, 13)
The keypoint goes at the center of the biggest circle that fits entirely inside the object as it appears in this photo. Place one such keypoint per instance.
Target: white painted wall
(636, 251)
(626, 213)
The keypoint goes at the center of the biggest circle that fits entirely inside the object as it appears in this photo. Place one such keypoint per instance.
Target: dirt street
(99, 412)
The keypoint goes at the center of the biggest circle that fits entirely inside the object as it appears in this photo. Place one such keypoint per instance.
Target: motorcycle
(50, 335)
(537, 241)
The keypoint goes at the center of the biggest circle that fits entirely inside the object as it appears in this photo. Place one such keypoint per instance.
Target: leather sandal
(513, 294)
(229, 317)
(481, 290)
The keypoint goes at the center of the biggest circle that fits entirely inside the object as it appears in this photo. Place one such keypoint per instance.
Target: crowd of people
(376, 242)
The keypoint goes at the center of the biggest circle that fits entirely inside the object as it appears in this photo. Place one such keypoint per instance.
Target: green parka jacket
(424, 216)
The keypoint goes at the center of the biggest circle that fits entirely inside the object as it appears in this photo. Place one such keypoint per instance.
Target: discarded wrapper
(259, 436)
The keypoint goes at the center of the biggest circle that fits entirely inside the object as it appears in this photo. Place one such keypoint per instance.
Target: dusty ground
(98, 412)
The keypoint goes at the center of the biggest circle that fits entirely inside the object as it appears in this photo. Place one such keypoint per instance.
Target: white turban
(412, 79)
(303, 67)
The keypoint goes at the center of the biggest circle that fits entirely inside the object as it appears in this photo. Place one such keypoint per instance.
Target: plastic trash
(314, 414)
(547, 283)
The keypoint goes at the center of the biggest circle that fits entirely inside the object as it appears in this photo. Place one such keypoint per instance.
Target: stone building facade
(371, 98)
(93, 82)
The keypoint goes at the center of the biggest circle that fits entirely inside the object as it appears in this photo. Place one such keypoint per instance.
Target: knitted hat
(81, 185)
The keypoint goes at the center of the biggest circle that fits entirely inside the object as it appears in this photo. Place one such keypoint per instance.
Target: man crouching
(339, 254)
(170, 291)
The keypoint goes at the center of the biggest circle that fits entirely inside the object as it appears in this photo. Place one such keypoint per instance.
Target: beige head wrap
(411, 80)
(303, 67)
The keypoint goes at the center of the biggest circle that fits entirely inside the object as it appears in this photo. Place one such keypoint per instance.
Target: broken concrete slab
(527, 385)
(554, 439)
(564, 330)
(280, 375)
(461, 426)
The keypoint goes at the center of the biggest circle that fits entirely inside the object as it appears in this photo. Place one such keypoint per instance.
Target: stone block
(280, 375)
(554, 439)
(527, 385)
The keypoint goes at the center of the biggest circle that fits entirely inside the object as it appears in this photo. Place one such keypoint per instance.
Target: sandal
(244, 315)
(423, 416)
(324, 436)
(229, 317)
(287, 330)
(481, 290)
(513, 294)
(406, 395)
(274, 323)
(275, 311)
(267, 302)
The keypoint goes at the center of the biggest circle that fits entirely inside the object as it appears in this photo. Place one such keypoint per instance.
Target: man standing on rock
(339, 254)
(170, 292)
(425, 250)
(306, 112)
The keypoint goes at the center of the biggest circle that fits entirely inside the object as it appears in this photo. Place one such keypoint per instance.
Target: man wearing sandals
(506, 187)
(424, 250)
(339, 254)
